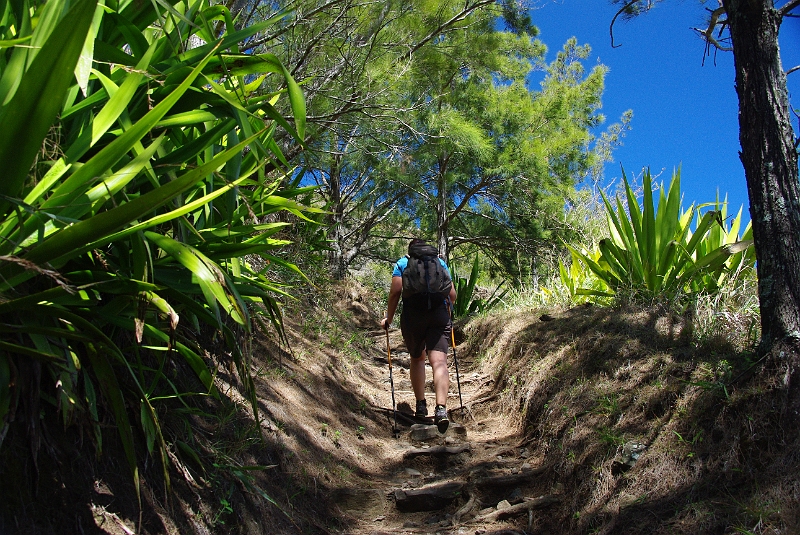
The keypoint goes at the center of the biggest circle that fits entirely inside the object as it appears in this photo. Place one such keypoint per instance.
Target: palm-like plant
(579, 281)
(467, 303)
(161, 179)
(653, 252)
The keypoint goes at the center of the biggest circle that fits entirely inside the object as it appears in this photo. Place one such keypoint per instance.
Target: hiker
(425, 321)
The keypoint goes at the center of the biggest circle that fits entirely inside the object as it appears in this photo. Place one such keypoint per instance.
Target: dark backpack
(426, 283)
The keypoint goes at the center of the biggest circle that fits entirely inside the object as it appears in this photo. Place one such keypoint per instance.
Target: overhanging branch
(788, 7)
(614, 20)
(708, 33)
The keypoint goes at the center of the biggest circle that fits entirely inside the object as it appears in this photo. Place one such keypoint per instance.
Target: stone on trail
(438, 450)
(423, 432)
(431, 498)
(458, 429)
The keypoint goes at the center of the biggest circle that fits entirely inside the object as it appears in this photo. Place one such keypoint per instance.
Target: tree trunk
(770, 164)
(336, 221)
(441, 211)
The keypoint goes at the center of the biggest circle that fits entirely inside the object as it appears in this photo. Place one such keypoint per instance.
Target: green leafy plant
(578, 278)
(609, 437)
(224, 510)
(739, 266)
(467, 302)
(142, 178)
(690, 443)
(652, 251)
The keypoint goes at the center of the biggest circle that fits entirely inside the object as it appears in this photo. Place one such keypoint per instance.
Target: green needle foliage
(653, 253)
(142, 183)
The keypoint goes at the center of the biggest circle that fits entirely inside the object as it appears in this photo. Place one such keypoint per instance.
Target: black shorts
(425, 329)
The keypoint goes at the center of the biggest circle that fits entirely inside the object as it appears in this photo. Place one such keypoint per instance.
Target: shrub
(652, 253)
(160, 181)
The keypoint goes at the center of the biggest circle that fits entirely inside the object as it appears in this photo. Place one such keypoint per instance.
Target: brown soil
(581, 421)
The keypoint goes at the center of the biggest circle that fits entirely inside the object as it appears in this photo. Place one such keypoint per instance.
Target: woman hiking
(423, 281)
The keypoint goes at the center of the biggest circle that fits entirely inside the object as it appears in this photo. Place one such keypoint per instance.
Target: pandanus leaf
(26, 117)
(104, 119)
(213, 281)
(89, 233)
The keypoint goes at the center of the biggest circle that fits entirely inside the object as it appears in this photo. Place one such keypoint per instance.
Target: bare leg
(417, 373)
(441, 377)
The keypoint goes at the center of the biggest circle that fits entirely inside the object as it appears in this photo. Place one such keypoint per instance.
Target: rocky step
(425, 432)
(430, 498)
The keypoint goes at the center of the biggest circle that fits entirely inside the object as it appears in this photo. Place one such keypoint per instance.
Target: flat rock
(503, 505)
(430, 498)
(437, 450)
(423, 432)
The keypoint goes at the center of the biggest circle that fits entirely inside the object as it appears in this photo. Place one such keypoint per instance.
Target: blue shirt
(401, 265)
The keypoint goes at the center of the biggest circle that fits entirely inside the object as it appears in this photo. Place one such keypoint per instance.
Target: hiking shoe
(440, 418)
(422, 409)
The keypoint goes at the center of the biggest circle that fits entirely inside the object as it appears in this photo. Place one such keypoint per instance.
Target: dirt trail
(478, 477)
(592, 386)
(626, 431)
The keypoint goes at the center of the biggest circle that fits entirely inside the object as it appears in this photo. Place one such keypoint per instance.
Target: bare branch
(793, 69)
(617, 14)
(298, 21)
(788, 7)
(476, 189)
(713, 22)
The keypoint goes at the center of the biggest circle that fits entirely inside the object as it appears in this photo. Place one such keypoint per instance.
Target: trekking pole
(455, 358)
(391, 380)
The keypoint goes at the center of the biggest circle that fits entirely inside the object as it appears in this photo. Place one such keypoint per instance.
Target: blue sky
(684, 111)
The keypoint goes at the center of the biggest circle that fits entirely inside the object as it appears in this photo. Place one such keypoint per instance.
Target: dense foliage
(138, 207)
(440, 119)
(652, 252)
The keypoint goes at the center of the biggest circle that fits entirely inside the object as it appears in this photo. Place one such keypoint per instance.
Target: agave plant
(652, 250)
(467, 302)
(141, 172)
(740, 264)
(579, 279)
